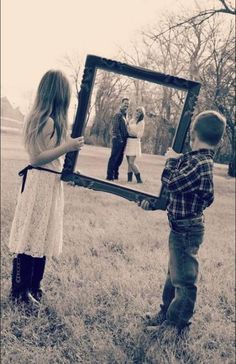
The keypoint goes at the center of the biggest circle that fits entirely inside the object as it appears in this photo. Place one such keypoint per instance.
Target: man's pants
(180, 290)
(116, 158)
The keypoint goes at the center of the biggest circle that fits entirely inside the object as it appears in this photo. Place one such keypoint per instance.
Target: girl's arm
(48, 155)
(137, 129)
(140, 129)
(131, 127)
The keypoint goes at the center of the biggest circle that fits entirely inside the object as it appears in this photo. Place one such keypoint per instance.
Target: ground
(112, 271)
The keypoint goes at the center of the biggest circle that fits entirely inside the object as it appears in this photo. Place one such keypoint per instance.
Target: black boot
(116, 175)
(130, 175)
(21, 281)
(138, 178)
(37, 276)
(155, 319)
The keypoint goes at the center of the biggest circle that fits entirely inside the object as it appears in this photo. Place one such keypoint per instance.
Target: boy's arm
(183, 180)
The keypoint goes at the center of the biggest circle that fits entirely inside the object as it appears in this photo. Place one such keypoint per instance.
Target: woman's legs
(134, 168)
(132, 165)
(130, 172)
(129, 164)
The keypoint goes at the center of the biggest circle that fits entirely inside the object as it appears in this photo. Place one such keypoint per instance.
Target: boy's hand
(144, 204)
(172, 154)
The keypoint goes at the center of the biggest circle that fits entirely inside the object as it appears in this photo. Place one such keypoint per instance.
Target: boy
(189, 180)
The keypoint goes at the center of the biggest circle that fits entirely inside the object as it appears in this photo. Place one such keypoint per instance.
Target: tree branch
(200, 17)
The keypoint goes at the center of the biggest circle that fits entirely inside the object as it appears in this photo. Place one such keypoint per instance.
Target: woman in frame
(135, 129)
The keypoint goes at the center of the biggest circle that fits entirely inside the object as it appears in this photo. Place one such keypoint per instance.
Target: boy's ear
(193, 135)
(220, 143)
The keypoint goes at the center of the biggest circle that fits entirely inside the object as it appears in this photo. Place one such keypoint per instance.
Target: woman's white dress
(37, 227)
(135, 130)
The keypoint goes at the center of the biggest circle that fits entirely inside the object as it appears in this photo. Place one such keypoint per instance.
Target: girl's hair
(52, 100)
(142, 113)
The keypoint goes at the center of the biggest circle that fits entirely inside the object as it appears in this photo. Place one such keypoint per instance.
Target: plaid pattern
(189, 181)
(119, 129)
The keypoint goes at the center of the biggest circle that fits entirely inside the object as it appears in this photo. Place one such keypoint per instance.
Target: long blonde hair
(52, 100)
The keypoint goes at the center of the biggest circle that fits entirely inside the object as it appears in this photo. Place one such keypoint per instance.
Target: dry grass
(111, 272)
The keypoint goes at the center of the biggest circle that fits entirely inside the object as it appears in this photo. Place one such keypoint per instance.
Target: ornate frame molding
(91, 65)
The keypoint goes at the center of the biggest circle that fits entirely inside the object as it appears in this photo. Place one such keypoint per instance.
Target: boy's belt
(186, 222)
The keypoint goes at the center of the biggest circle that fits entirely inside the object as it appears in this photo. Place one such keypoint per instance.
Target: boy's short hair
(209, 126)
(124, 99)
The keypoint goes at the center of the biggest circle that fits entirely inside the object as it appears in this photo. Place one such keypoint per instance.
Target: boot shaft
(21, 273)
(130, 175)
(38, 271)
(138, 178)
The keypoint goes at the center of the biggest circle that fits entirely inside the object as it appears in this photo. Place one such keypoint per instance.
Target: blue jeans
(180, 290)
(116, 158)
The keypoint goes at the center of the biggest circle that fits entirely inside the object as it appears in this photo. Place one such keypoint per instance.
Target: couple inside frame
(126, 139)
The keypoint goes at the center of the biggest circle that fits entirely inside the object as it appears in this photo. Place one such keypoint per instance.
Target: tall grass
(111, 271)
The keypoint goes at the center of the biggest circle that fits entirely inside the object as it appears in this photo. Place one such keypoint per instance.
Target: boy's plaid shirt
(189, 181)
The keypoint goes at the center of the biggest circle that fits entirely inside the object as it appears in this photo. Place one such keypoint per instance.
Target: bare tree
(207, 54)
(109, 89)
(218, 80)
(225, 7)
(74, 65)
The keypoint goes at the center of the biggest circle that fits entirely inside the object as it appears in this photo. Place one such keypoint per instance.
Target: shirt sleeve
(123, 128)
(185, 179)
(115, 125)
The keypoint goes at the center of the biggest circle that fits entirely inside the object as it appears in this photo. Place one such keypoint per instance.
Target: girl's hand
(172, 154)
(74, 144)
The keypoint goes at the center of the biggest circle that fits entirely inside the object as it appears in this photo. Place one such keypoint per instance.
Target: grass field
(112, 271)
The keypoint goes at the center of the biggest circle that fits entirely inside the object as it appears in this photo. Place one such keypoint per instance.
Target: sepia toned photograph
(118, 166)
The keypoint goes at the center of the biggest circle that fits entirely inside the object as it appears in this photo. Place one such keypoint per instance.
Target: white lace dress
(37, 227)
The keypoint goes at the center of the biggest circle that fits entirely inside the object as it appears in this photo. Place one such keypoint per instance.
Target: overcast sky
(37, 34)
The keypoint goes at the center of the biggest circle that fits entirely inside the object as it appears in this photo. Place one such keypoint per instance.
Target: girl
(135, 129)
(37, 225)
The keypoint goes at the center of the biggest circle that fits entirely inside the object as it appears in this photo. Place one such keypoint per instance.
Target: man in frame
(119, 140)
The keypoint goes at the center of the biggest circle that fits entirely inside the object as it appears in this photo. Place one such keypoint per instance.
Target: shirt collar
(203, 151)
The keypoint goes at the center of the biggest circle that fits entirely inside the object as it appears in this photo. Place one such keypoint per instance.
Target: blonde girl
(37, 227)
(135, 129)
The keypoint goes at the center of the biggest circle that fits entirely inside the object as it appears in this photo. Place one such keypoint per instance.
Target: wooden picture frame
(92, 64)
